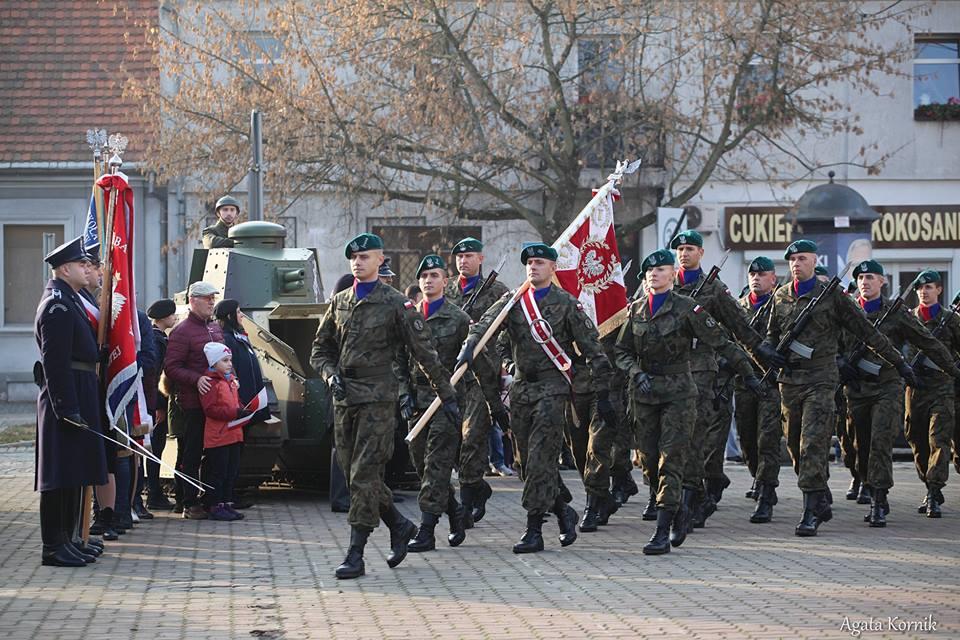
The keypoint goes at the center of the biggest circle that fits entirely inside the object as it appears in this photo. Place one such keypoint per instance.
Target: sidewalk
(271, 575)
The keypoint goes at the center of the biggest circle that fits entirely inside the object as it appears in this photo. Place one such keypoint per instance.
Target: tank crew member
(216, 235)
(354, 351)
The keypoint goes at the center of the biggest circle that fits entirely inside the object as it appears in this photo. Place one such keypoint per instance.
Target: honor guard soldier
(542, 329)
(216, 235)
(435, 450)
(70, 453)
(708, 443)
(475, 445)
(808, 382)
(930, 406)
(758, 418)
(654, 347)
(874, 391)
(354, 351)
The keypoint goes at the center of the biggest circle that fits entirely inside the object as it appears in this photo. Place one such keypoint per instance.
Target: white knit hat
(215, 352)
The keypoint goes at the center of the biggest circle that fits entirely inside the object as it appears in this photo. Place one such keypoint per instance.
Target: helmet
(227, 200)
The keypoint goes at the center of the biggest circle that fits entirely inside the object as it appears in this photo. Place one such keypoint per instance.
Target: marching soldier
(875, 401)
(758, 418)
(709, 438)
(808, 384)
(69, 454)
(542, 328)
(930, 406)
(433, 452)
(475, 445)
(216, 236)
(354, 350)
(654, 348)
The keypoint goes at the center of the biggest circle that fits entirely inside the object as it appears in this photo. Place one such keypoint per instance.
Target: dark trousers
(159, 441)
(220, 467)
(124, 478)
(189, 455)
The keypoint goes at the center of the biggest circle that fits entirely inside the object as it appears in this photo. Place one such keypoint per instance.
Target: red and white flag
(588, 261)
(259, 402)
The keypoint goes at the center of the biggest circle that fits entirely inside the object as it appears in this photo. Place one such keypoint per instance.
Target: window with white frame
(936, 78)
(24, 271)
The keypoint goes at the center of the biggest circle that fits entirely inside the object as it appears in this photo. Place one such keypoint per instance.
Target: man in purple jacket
(186, 366)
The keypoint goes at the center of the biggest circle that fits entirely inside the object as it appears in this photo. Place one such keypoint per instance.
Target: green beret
(431, 261)
(760, 264)
(658, 258)
(868, 266)
(927, 276)
(537, 250)
(363, 242)
(800, 246)
(687, 237)
(820, 271)
(467, 245)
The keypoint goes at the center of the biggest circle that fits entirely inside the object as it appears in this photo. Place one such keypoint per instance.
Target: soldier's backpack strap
(543, 335)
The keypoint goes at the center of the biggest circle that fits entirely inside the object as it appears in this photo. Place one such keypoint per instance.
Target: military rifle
(920, 358)
(489, 280)
(800, 323)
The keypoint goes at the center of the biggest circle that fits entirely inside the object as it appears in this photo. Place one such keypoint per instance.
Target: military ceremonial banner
(123, 331)
(588, 261)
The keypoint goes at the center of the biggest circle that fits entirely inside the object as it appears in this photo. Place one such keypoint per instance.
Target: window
(417, 241)
(936, 79)
(261, 49)
(759, 96)
(24, 271)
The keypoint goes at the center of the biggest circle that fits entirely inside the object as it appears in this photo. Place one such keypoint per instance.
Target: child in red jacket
(221, 443)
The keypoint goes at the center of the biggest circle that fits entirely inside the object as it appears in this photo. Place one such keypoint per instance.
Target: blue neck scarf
(927, 313)
(871, 305)
(361, 289)
(467, 284)
(803, 288)
(431, 307)
(686, 277)
(656, 301)
(757, 302)
(539, 294)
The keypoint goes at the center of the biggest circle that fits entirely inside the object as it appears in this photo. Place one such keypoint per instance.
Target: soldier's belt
(536, 376)
(814, 363)
(90, 367)
(365, 372)
(657, 369)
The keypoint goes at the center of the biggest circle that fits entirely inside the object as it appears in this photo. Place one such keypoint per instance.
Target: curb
(11, 447)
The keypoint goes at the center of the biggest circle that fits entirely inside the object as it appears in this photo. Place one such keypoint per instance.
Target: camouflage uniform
(540, 392)
(434, 452)
(758, 419)
(475, 445)
(216, 236)
(875, 409)
(930, 408)
(709, 437)
(664, 418)
(808, 387)
(357, 339)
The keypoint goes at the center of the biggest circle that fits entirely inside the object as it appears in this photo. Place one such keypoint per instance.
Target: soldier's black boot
(532, 540)
(933, 504)
(606, 507)
(103, 525)
(680, 525)
(715, 487)
(425, 540)
(401, 530)
(697, 518)
(467, 494)
(709, 505)
(480, 501)
(455, 514)
(650, 511)
(863, 496)
(591, 515)
(808, 522)
(567, 520)
(353, 566)
(660, 541)
(55, 552)
(767, 497)
(752, 491)
(854, 490)
(877, 517)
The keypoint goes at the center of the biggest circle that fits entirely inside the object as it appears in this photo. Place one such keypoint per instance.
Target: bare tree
(494, 110)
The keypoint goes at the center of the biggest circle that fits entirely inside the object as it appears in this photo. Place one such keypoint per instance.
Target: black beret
(161, 309)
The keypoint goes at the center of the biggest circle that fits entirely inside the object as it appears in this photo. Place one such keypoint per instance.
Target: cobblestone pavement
(271, 575)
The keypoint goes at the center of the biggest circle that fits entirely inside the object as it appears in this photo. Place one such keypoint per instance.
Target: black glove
(770, 357)
(723, 364)
(848, 373)
(753, 383)
(452, 410)
(466, 353)
(605, 408)
(502, 418)
(336, 387)
(642, 382)
(75, 420)
(906, 372)
(406, 406)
